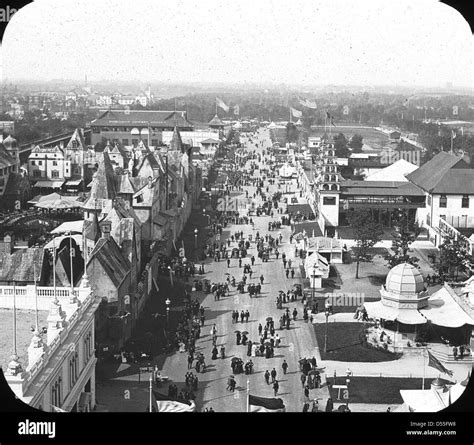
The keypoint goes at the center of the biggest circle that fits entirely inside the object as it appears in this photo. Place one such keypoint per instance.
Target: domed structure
(10, 142)
(404, 288)
(404, 279)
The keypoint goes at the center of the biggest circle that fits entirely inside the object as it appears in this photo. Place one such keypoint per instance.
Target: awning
(73, 182)
(443, 310)
(69, 226)
(58, 240)
(406, 316)
(49, 184)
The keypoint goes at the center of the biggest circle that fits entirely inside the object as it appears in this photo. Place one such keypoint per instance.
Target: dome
(404, 279)
(10, 142)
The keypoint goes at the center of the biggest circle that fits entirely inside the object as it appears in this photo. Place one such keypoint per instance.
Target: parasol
(236, 331)
(267, 343)
(269, 318)
(235, 360)
(245, 333)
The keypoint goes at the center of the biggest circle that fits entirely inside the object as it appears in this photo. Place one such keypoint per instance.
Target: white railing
(25, 296)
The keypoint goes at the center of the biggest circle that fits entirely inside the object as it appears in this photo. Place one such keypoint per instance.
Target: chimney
(105, 228)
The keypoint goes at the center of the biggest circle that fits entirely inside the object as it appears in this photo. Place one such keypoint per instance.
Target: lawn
(376, 389)
(345, 344)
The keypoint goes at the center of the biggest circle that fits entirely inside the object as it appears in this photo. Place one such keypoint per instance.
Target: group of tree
(366, 233)
(454, 258)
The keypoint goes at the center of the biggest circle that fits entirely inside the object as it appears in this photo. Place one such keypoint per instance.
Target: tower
(329, 187)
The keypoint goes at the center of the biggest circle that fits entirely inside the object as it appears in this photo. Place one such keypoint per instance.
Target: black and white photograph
(237, 207)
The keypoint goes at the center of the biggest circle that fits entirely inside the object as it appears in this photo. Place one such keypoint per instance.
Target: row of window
(54, 173)
(33, 162)
(443, 201)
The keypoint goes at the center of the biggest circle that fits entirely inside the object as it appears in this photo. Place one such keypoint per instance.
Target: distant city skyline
(308, 43)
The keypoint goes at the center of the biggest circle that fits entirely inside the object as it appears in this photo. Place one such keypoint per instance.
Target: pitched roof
(216, 121)
(63, 267)
(6, 159)
(16, 185)
(176, 143)
(444, 173)
(209, 141)
(380, 188)
(19, 266)
(103, 183)
(143, 117)
(108, 253)
(395, 172)
(77, 136)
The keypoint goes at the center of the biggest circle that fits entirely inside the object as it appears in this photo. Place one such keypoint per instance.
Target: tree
(291, 132)
(356, 143)
(340, 145)
(454, 256)
(405, 233)
(367, 233)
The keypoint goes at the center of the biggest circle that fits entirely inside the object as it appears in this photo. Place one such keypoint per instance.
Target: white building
(60, 372)
(448, 183)
(48, 164)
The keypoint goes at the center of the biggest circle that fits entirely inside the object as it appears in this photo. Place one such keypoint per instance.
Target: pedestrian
(461, 351)
(260, 329)
(455, 352)
(238, 338)
(252, 260)
(276, 387)
(228, 262)
(247, 316)
(284, 366)
(203, 318)
(306, 392)
(273, 374)
(305, 407)
(242, 316)
(315, 407)
(267, 377)
(190, 361)
(329, 405)
(292, 273)
(240, 262)
(303, 379)
(287, 273)
(295, 314)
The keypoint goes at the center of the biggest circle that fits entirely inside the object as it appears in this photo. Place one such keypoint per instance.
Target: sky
(297, 42)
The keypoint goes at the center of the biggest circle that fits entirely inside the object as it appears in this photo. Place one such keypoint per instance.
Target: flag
(435, 363)
(221, 104)
(265, 405)
(236, 110)
(296, 113)
(453, 134)
(167, 404)
(307, 103)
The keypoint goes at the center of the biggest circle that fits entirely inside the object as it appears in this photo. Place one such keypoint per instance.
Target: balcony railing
(387, 202)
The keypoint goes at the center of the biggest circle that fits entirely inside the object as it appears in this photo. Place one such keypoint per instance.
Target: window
(124, 141)
(442, 217)
(55, 163)
(154, 142)
(443, 201)
(134, 141)
(329, 200)
(465, 202)
(429, 200)
(54, 173)
(33, 163)
(73, 369)
(96, 130)
(40, 162)
(56, 390)
(139, 199)
(2, 182)
(36, 174)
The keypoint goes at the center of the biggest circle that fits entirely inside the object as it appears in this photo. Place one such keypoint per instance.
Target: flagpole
(70, 262)
(54, 267)
(424, 369)
(151, 389)
(451, 141)
(248, 395)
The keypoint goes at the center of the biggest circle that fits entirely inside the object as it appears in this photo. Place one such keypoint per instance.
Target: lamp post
(313, 284)
(348, 380)
(326, 313)
(167, 302)
(196, 243)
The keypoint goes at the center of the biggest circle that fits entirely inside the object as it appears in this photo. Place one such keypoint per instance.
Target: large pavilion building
(411, 317)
